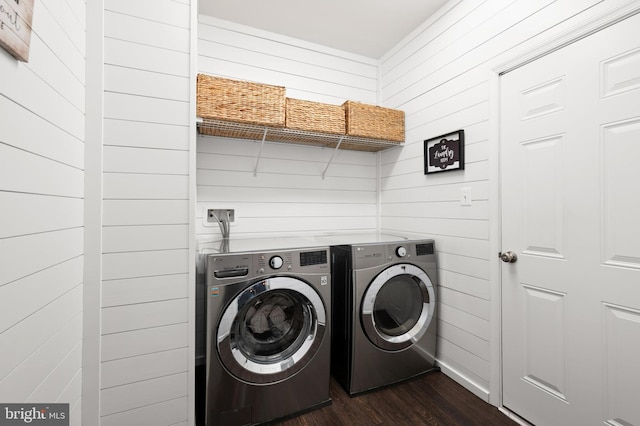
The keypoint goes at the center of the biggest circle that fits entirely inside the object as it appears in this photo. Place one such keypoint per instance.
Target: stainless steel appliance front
(268, 334)
(384, 313)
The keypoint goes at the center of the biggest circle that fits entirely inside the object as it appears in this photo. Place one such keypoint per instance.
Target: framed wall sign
(15, 27)
(444, 153)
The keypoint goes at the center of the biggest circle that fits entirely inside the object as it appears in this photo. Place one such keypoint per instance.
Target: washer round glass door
(397, 307)
(271, 330)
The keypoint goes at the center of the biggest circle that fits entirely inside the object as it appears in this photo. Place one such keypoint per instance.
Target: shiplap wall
(440, 76)
(288, 196)
(41, 214)
(145, 234)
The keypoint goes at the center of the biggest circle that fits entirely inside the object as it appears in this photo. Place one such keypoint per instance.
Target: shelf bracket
(332, 155)
(264, 136)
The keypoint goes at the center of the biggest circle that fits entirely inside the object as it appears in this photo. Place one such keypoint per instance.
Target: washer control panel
(292, 260)
(242, 266)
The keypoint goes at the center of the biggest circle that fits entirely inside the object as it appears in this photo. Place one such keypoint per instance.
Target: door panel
(620, 73)
(543, 196)
(621, 364)
(570, 145)
(543, 310)
(544, 99)
(620, 154)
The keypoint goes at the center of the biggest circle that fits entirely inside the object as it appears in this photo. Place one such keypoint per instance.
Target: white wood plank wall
(439, 76)
(41, 211)
(288, 195)
(145, 288)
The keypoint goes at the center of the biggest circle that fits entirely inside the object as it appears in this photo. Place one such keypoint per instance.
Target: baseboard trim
(464, 381)
(513, 416)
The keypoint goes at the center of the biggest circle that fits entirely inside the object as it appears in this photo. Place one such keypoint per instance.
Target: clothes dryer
(384, 312)
(268, 334)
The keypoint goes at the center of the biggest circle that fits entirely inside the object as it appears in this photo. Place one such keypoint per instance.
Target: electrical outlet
(220, 214)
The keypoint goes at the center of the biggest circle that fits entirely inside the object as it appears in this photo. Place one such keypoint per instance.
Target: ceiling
(365, 27)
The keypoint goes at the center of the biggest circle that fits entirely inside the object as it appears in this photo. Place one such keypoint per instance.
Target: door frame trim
(514, 61)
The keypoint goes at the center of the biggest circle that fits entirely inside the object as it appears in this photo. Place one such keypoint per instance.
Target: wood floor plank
(432, 399)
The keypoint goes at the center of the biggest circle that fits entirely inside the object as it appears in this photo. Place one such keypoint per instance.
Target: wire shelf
(230, 129)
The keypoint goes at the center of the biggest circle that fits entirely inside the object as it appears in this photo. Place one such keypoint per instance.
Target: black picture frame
(444, 153)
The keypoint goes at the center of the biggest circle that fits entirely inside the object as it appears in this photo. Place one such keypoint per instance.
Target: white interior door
(570, 172)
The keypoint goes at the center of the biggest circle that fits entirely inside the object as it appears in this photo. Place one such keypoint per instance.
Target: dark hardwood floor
(432, 399)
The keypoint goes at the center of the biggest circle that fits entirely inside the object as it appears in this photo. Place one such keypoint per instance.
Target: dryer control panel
(371, 255)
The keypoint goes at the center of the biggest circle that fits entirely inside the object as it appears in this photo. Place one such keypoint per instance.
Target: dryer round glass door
(271, 330)
(397, 307)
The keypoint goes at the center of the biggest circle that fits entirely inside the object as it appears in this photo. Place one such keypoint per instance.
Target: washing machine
(384, 312)
(268, 334)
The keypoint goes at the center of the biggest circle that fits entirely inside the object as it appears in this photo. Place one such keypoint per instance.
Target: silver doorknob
(508, 257)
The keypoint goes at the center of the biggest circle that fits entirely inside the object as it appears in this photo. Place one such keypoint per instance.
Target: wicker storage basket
(370, 121)
(314, 117)
(240, 101)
